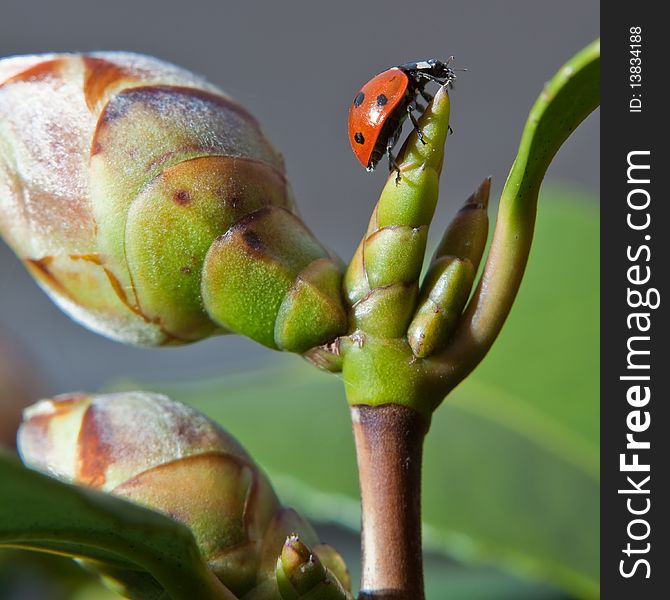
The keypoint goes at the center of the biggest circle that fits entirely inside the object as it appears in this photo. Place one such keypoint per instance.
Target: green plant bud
(335, 564)
(398, 245)
(164, 455)
(389, 259)
(271, 257)
(465, 238)
(301, 575)
(444, 294)
(381, 284)
(386, 311)
(383, 265)
(449, 280)
(119, 177)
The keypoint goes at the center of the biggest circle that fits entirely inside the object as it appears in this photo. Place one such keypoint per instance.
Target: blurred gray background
(296, 66)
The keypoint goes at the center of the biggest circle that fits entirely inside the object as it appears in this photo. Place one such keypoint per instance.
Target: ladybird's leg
(425, 95)
(394, 166)
(430, 77)
(410, 108)
(439, 80)
(393, 163)
(449, 80)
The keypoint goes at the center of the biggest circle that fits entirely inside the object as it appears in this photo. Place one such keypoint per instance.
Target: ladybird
(380, 108)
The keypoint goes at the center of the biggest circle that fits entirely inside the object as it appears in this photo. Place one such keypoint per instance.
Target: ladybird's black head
(432, 67)
(442, 69)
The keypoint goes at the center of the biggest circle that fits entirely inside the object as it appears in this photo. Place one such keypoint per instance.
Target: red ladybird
(381, 107)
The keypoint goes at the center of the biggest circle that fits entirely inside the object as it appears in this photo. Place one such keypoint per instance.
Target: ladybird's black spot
(358, 100)
(359, 138)
(381, 100)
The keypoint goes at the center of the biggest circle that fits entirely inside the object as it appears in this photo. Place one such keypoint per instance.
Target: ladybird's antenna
(451, 72)
(449, 61)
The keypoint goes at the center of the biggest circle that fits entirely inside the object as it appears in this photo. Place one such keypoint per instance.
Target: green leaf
(511, 467)
(41, 513)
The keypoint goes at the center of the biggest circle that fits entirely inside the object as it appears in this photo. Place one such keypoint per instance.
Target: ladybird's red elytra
(373, 111)
(381, 106)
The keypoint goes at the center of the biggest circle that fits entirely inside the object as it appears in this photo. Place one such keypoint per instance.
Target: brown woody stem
(389, 444)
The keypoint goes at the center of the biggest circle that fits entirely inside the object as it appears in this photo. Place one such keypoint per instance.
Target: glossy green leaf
(511, 471)
(41, 513)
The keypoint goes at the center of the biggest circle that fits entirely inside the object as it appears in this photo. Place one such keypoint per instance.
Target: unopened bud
(152, 208)
(448, 283)
(381, 282)
(166, 456)
(301, 574)
(465, 238)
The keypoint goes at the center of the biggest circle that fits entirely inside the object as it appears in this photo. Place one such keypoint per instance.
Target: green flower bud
(465, 238)
(151, 207)
(301, 574)
(447, 288)
(164, 455)
(380, 359)
(449, 280)
(381, 283)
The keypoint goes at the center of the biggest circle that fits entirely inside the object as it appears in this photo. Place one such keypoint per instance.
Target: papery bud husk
(120, 175)
(164, 455)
